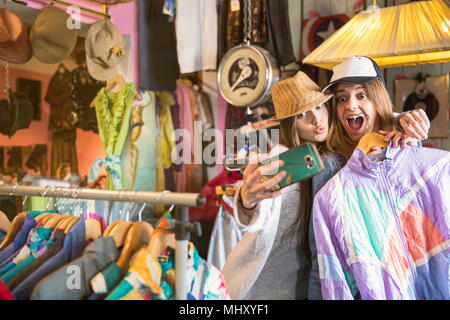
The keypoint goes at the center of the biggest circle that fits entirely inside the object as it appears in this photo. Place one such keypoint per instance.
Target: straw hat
(14, 45)
(296, 95)
(51, 39)
(105, 49)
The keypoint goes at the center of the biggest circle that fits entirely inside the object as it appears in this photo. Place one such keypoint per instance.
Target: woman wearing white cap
(272, 261)
(381, 224)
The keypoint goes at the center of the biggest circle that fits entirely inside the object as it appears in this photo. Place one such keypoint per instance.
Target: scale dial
(246, 74)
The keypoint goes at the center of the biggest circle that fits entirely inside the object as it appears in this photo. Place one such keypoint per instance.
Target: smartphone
(299, 163)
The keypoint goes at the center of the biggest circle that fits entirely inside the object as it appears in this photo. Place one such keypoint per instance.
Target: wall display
(317, 29)
(246, 74)
(32, 91)
(429, 94)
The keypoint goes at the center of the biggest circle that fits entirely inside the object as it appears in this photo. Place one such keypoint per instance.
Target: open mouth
(355, 122)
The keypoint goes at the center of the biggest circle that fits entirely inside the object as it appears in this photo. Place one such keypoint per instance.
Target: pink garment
(187, 123)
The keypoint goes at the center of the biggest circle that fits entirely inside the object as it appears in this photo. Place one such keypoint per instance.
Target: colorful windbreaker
(382, 228)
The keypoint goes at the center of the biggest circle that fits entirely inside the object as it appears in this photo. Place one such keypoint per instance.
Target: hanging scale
(247, 72)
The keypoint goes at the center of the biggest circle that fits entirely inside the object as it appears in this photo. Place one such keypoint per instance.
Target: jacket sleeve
(336, 279)
(258, 218)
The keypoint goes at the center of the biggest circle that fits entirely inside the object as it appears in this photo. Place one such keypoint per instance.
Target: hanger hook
(24, 200)
(13, 189)
(140, 211)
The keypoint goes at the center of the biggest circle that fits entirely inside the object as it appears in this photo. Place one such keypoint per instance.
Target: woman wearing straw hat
(273, 259)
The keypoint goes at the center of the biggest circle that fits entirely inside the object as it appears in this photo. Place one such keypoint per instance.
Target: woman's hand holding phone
(253, 190)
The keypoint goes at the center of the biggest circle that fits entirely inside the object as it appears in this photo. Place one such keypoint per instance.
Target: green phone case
(299, 163)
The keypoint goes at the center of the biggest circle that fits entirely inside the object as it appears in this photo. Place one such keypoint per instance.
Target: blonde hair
(338, 140)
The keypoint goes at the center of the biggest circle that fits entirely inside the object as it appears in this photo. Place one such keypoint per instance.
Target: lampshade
(405, 35)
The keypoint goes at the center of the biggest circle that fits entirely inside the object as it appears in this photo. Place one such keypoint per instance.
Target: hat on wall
(51, 39)
(356, 70)
(16, 114)
(296, 95)
(105, 48)
(14, 44)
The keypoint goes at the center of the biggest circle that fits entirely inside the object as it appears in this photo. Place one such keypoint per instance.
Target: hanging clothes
(187, 130)
(96, 256)
(149, 279)
(84, 90)
(59, 96)
(381, 227)
(64, 151)
(158, 61)
(74, 244)
(196, 34)
(55, 245)
(113, 111)
(139, 155)
(270, 28)
(225, 234)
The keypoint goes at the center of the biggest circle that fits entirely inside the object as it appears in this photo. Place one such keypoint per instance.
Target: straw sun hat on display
(52, 41)
(14, 44)
(105, 49)
(296, 95)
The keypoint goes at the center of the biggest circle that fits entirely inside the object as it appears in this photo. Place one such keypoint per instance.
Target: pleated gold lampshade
(405, 35)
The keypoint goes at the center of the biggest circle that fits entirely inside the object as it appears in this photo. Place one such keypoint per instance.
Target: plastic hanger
(371, 140)
(138, 236)
(4, 222)
(120, 231)
(15, 227)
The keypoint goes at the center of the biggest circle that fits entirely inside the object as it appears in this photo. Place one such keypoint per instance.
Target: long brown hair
(289, 137)
(338, 140)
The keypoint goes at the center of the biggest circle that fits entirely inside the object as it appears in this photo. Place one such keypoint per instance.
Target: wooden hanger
(111, 84)
(42, 216)
(47, 218)
(110, 227)
(63, 223)
(93, 229)
(138, 236)
(72, 222)
(4, 222)
(62, 68)
(15, 227)
(117, 80)
(370, 140)
(53, 221)
(120, 231)
(159, 241)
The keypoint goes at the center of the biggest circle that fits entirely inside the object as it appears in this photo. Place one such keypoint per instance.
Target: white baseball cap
(356, 69)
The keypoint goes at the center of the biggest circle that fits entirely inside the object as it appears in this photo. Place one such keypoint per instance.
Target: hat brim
(98, 72)
(357, 80)
(17, 52)
(312, 105)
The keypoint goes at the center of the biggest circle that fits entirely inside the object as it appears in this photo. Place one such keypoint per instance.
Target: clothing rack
(183, 227)
(103, 13)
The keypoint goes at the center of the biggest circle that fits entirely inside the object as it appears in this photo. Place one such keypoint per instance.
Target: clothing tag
(235, 5)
